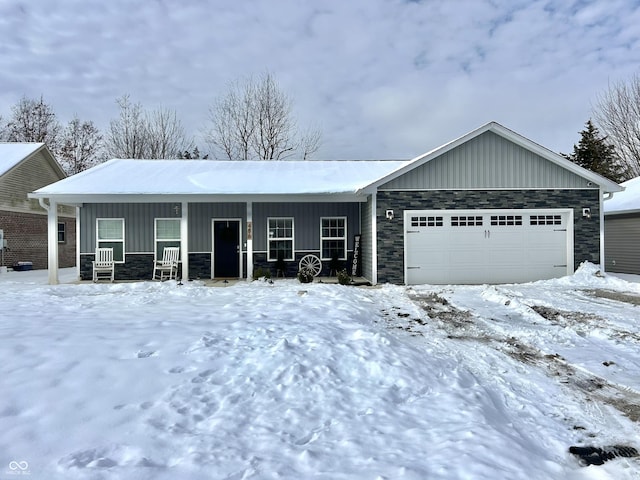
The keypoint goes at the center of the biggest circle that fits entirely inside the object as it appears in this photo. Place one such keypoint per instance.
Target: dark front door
(226, 248)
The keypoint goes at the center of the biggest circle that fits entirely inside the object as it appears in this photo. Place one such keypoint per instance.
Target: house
(25, 167)
(488, 207)
(622, 229)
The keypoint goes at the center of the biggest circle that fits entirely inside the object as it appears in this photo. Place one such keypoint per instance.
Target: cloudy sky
(382, 79)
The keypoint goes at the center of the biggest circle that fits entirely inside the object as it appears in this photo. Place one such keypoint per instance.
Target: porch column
(184, 240)
(77, 243)
(249, 240)
(52, 242)
(374, 239)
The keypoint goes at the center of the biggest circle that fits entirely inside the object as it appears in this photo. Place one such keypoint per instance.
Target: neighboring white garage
(487, 246)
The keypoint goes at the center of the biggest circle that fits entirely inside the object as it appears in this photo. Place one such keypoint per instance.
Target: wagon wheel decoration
(311, 263)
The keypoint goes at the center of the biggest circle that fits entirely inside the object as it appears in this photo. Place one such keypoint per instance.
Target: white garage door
(487, 246)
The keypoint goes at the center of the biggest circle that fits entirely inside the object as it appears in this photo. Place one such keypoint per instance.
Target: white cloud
(384, 79)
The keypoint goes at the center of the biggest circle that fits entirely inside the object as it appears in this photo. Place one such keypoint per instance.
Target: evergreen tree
(594, 153)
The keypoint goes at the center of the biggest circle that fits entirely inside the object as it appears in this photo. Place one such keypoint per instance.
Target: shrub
(260, 272)
(343, 277)
(305, 276)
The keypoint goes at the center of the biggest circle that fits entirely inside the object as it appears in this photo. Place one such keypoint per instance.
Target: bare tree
(127, 135)
(33, 121)
(165, 135)
(617, 113)
(254, 120)
(80, 146)
(138, 133)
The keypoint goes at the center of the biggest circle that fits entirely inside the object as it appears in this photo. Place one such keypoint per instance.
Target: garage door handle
(487, 234)
(413, 268)
(560, 230)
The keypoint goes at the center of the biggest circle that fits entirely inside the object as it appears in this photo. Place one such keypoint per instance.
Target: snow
(627, 200)
(12, 153)
(164, 177)
(256, 380)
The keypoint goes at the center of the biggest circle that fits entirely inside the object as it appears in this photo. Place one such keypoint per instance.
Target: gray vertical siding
(306, 222)
(622, 243)
(488, 161)
(138, 223)
(200, 216)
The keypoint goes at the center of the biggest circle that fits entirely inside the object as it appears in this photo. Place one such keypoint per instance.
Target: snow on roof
(184, 177)
(626, 201)
(13, 153)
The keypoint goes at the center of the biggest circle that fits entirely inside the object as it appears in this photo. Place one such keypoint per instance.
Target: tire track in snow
(461, 325)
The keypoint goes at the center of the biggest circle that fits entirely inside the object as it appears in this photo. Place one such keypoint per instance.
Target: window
(110, 234)
(504, 220)
(280, 238)
(464, 221)
(426, 221)
(62, 232)
(545, 220)
(167, 234)
(333, 238)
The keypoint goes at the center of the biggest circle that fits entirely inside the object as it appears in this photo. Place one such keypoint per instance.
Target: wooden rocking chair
(167, 268)
(103, 267)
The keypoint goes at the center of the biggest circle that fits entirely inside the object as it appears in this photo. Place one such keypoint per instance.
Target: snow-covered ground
(290, 381)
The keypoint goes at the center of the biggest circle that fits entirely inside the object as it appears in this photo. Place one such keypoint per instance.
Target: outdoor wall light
(389, 214)
(586, 212)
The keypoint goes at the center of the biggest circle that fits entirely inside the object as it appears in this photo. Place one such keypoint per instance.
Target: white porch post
(184, 240)
(249, 240)
(77, 243)
(374, 240)
(601, 208)
(52, 241)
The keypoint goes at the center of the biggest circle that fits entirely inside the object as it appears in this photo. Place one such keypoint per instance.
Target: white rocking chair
(167, 268)
(103, 267)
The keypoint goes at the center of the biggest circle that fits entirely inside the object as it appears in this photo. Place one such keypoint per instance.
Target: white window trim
(344, 239)
(155, 237)
(124, 251)
(292, 238)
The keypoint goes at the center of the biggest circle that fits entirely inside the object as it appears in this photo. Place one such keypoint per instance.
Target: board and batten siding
(487, 161)
(622, 243)
(200, 228)
(306, 222)
(138, 223)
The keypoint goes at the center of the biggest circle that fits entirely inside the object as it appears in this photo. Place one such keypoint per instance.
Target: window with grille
(62, 232)
(333, 238)
(280, 239)
(506, 220)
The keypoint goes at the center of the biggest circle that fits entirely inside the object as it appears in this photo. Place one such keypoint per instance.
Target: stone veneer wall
(137, 266)
(390, 233)
(199, 266)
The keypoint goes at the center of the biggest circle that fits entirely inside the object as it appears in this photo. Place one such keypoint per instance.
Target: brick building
(25, 167)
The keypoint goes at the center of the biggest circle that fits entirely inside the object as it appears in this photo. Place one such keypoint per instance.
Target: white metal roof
(13, 153)
(627, 201)
(193, 177)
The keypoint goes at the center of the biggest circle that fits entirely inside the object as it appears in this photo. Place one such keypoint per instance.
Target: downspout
(52, 239)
